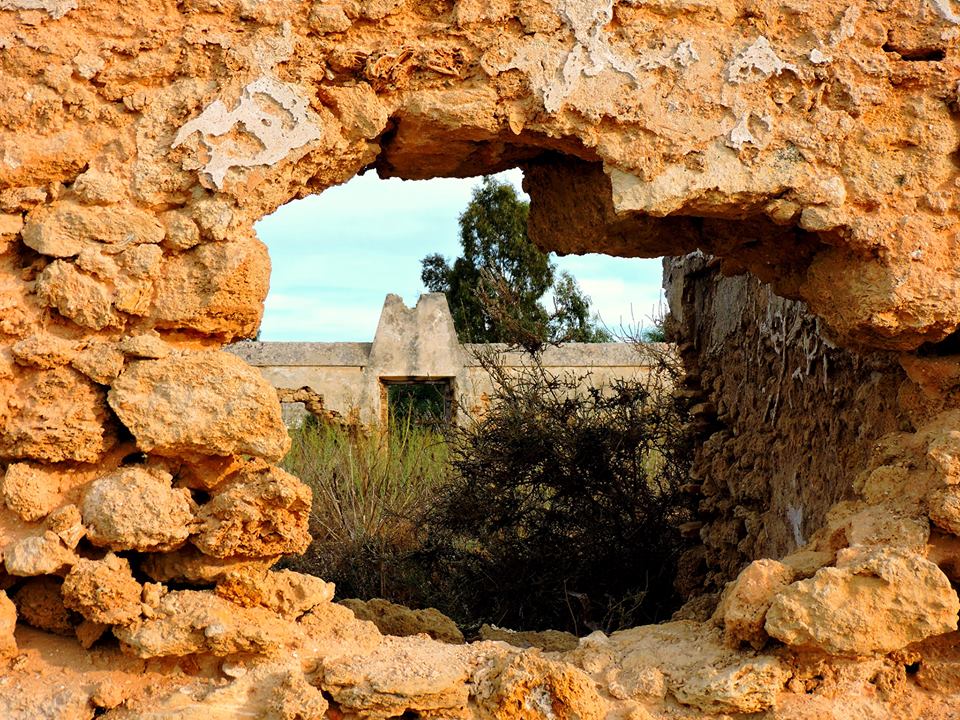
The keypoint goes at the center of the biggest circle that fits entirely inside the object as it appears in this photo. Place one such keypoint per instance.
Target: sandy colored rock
(262, 511)
(8, 622)
(37, 555)
(698, 669)
(393, 619)
(64, 229)
(82, 298)
(29, 490)
(200, 403)
(429, 679)
(135, 508)
(182, 231)
(288, 593)
(548, 640)
(185, 622)
(99, 361)
(103, 591)
(54, 415)
(876, 600)
(149, 345)
(189, 565)
(266, 691)
(528, 685)
(67, 523)
(39, 603)
(744, 604)
(216, 289)
(44, 351)
(945, 508)
(332, 631)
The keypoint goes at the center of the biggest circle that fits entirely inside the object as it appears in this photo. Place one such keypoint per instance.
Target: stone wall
(347, 379)
(785, 418)
(813, 145)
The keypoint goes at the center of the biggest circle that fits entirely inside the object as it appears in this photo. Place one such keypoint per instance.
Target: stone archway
(814, 146)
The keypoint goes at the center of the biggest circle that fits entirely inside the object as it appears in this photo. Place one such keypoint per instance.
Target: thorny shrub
(564, 503)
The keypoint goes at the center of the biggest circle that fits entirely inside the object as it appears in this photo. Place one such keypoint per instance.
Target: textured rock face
(813, 145)
(875, 600)
(199, 404)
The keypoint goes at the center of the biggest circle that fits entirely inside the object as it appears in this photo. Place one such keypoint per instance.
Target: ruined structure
(812, 145)
(349, 381)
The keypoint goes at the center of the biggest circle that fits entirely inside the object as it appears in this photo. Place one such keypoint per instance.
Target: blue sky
(336, 256)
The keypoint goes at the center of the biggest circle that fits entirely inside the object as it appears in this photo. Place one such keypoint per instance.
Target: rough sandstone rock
(393, 619)
(186, 622)
(135, 508)
(548, 640)
(101, 362)
(8, 622)
(744, 604)
(54, 415)
(197, 404)
(289, 594)
(188, 565)
(29, 491)
(40, 604)
(103, 591)
(37, 555)
(876, 600)
(262, 511)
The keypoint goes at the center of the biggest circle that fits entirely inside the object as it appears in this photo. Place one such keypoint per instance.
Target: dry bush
(564, 506)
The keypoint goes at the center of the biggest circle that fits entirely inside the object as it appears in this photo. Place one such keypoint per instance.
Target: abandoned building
(797, 160)
(416, 346)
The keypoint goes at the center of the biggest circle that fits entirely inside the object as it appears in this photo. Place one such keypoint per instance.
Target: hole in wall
(334, 257)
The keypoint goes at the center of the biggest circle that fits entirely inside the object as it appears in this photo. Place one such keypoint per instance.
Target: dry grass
(370, 492)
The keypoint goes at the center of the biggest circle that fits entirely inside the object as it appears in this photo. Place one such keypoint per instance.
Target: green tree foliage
(495, 288)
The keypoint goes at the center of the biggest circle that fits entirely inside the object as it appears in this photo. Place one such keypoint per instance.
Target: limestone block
(101, 362)
(67, 523)
(197, 404)
(182, 231)
(188, 565)
(542, 686)
(29, 490)
(103, 591)
(54, 415)
(393, 619)
(263, 511)
(134, 508)
(744, 604)
(288, 593)
(40, 604)
(215, 288)
(96, 187)
(148, 346)
(8, 623)
(77, 296)
(62, 229)
(44, 351)
(945, 508)
(877, 599)
(431, 681)
(191, 621)
(37, 555)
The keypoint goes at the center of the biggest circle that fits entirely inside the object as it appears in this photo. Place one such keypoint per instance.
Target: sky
(337, 255)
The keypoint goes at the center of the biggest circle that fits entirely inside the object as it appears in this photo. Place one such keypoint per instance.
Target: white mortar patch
(757, 62)
(945, 10)
(56, 8)
(556, 75)
(273, 114)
